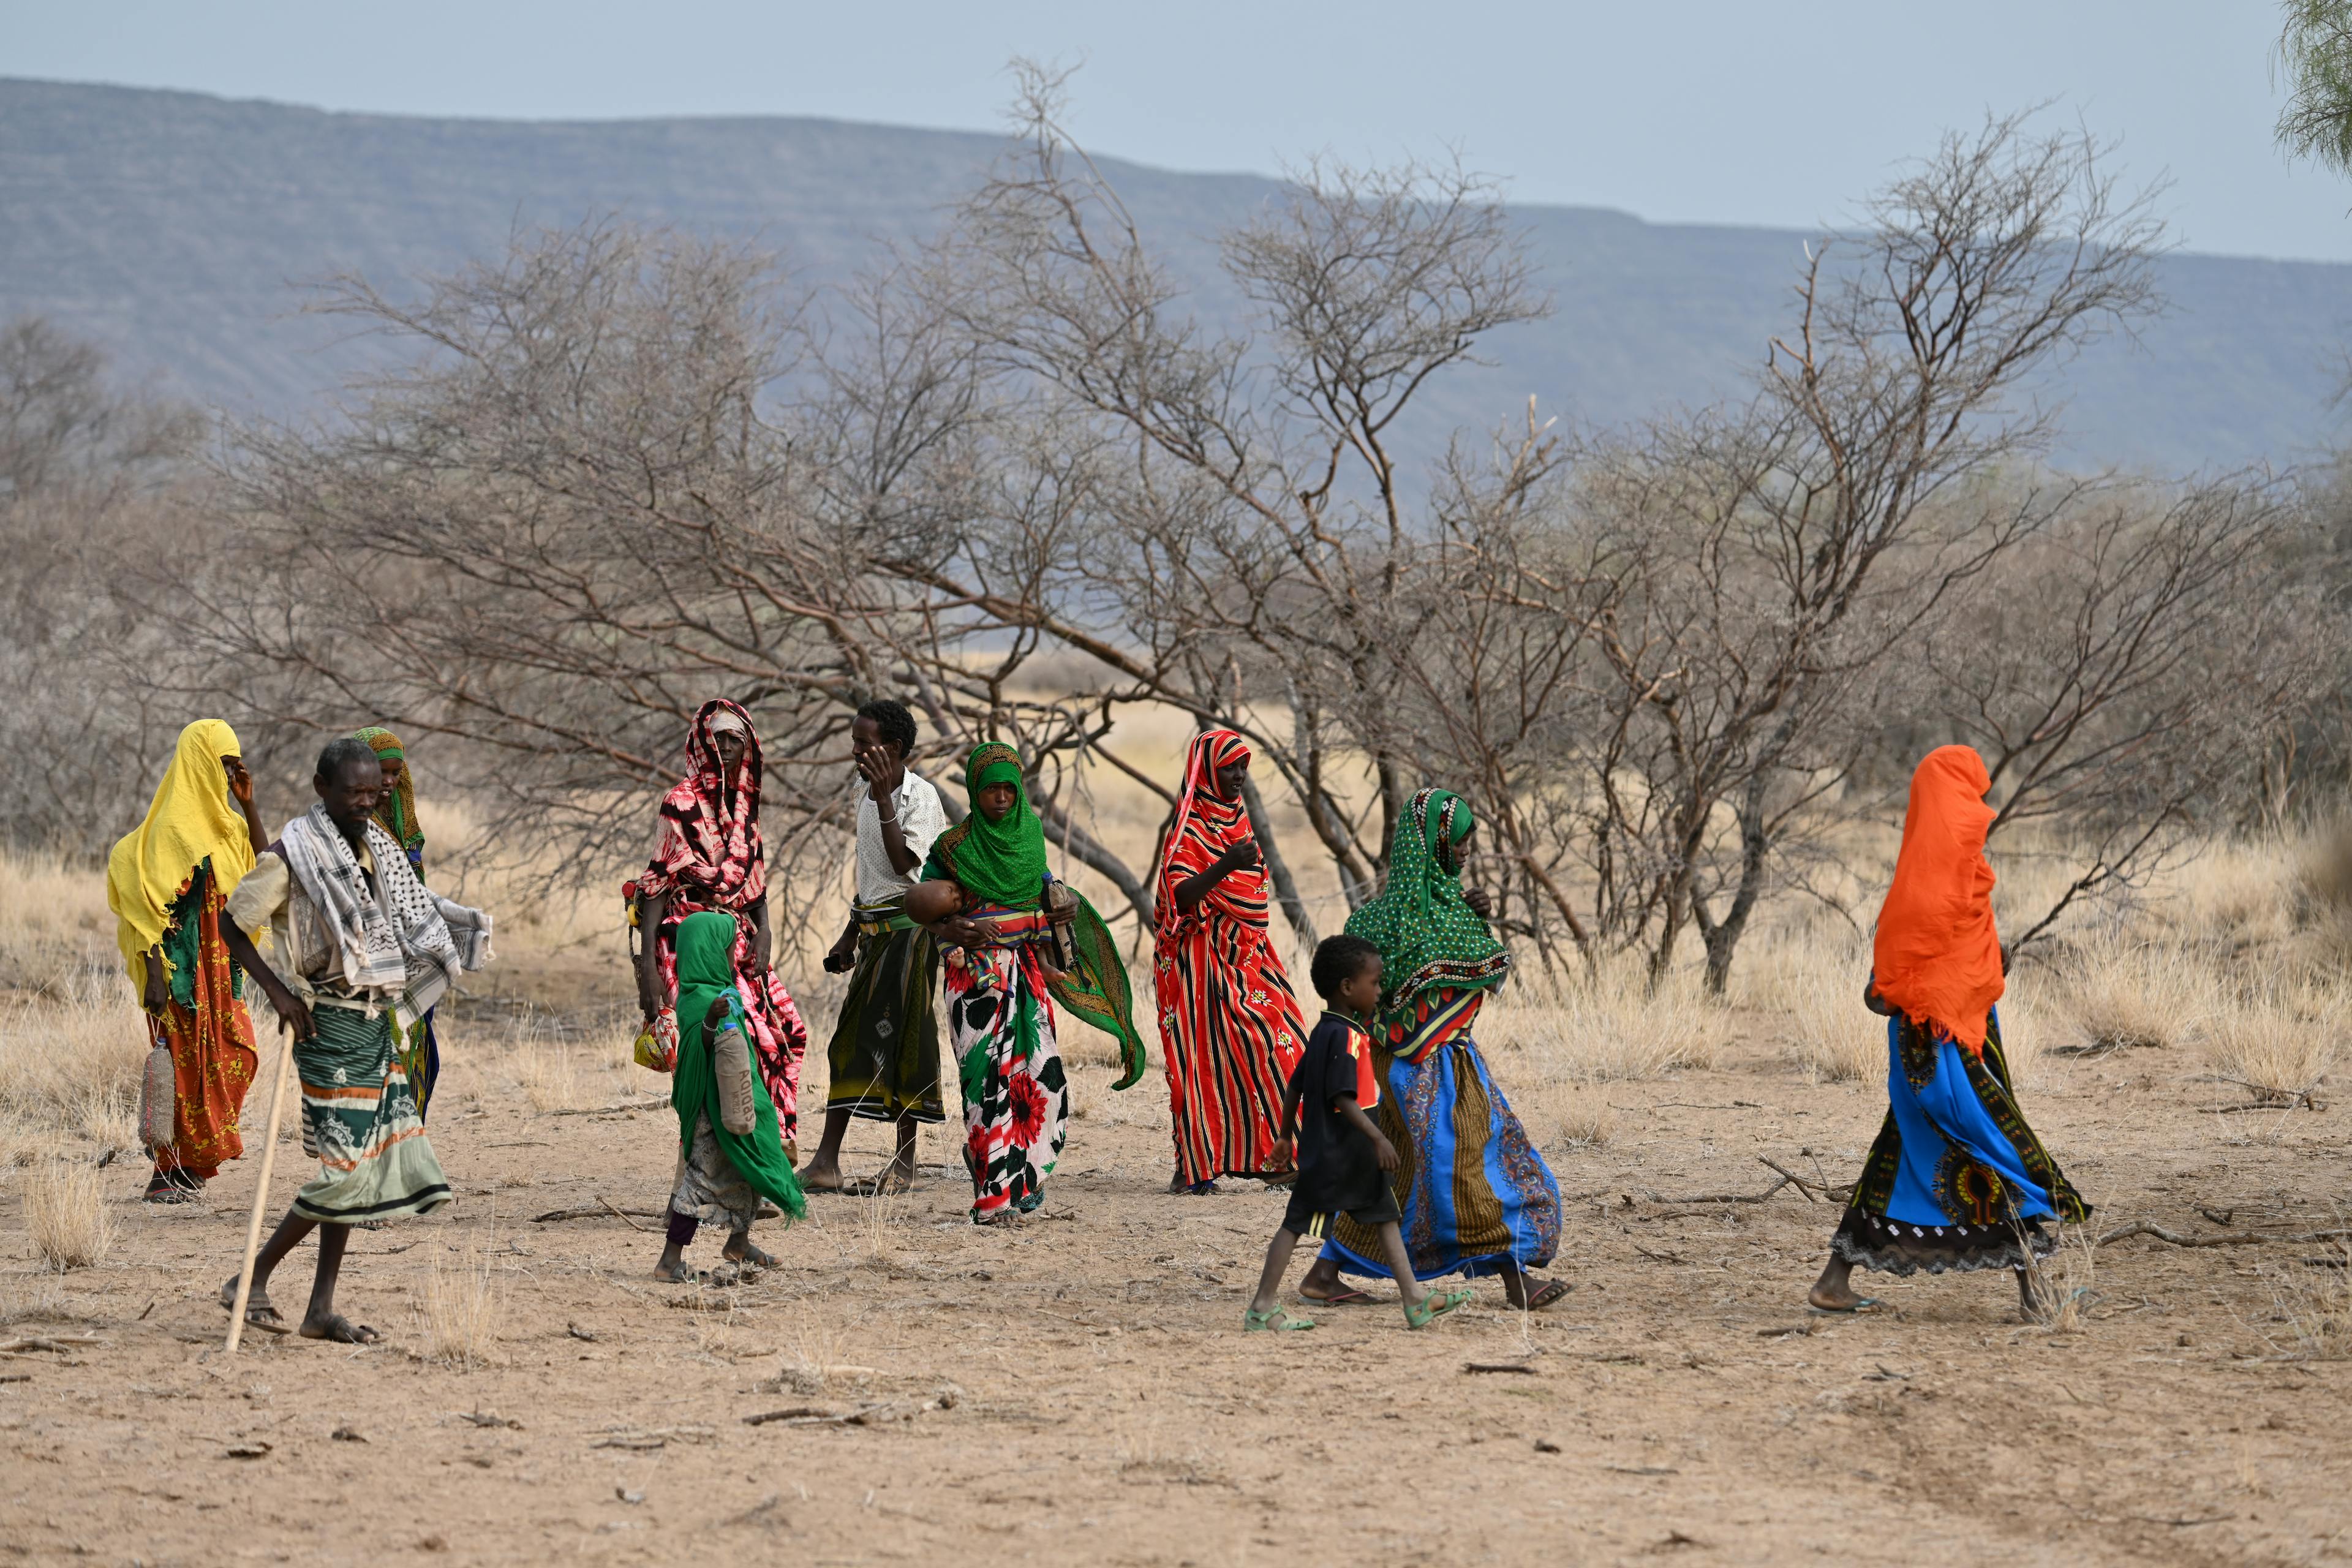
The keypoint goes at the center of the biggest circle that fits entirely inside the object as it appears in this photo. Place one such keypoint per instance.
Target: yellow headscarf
(192, 819)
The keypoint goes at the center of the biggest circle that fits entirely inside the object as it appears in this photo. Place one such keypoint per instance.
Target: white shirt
(921, 819)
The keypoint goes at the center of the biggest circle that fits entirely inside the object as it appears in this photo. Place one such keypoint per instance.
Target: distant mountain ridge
(171, 225)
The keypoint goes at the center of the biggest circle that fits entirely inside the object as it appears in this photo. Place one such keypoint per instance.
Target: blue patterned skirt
(1474, 1193)
(1956, 1180)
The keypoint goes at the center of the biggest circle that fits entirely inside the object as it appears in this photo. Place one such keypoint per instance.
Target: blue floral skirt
(1474, 1193)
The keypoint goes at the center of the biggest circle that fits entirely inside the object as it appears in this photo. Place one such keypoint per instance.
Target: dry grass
(70, 1056)
(2317, 1311)
(2120, 993)
(66, 1216)
(1608, 1028)
(462, 1311)
(2279, 1042)
(1814, 979)
(2062, 1282)
(544, 1064)
(1585, 1117)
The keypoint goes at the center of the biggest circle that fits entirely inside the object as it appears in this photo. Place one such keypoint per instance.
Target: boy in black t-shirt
(1343, 1159)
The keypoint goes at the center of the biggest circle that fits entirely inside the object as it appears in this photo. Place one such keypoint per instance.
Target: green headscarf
(706, 973)
(1004, 863)
(996, 862)
(396, 811)
(1428, 934)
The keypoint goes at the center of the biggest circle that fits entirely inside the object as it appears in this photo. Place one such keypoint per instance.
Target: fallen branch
(1805, 1184)
(641, 1439)
(2228, 1238)
(864, 1415)
(552, 1216)
(612, 1109)
(1518, 1366)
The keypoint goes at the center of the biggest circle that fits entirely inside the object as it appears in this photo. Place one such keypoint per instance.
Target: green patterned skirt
(360, 1122)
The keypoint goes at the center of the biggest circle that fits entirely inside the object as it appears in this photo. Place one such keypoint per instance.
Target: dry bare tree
(91, 476)
(1777, 552)
(1262, 539)
(2123, 672)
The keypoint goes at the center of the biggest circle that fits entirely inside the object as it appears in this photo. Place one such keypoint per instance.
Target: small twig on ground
(1517, 1366)
(616, 1213)
(614, 1108)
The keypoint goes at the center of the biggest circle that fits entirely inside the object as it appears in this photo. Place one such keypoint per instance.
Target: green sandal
(1274, 1321)
(1434, 1305)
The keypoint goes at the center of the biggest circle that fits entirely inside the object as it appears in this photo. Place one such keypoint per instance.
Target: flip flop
(1344, 1299)
(1434, 1305)
(1862, 1304)
(1274, 1320)
(1552, 1290)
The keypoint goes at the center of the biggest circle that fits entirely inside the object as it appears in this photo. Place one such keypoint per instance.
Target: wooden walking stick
(260, 1193)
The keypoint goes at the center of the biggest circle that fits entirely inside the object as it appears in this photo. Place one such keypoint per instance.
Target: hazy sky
(1772, 111)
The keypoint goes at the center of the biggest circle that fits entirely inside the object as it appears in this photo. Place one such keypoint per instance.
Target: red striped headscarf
(1206, 825)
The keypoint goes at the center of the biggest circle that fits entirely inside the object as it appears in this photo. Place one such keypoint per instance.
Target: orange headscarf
(1936, 957)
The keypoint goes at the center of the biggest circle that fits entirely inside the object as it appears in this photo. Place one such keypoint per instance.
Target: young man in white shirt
(884, 1060)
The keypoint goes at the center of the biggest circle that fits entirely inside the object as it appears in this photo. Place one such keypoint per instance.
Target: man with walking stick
(359, 948)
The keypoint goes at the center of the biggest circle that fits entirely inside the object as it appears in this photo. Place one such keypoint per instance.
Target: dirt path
(1079, 1391)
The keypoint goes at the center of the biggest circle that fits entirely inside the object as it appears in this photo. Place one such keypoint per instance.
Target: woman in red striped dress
(1230, 1029)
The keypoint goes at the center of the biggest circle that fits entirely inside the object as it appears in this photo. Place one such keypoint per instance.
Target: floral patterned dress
(1016, 1098)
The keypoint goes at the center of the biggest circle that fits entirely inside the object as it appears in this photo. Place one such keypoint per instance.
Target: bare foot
(821, 1175)
(336, 1329)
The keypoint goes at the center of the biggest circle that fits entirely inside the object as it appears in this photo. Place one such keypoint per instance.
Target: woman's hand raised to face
(1480, 902)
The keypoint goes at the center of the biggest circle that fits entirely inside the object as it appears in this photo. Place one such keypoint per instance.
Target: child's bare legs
(1401, 1266)
(1831, 1292)
(1278, 1264)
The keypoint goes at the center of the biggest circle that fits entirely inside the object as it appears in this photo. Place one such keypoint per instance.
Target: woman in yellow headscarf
(167, 882)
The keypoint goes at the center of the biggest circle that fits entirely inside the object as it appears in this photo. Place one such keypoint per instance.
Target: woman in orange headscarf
(1956, 1179)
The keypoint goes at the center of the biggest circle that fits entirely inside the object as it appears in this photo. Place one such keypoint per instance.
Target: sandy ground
(1078, 1390)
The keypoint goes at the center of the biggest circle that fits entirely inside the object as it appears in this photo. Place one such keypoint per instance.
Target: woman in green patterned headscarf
(396, 810)
(984, 898)
(723, 1170)
(1477, 1196)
